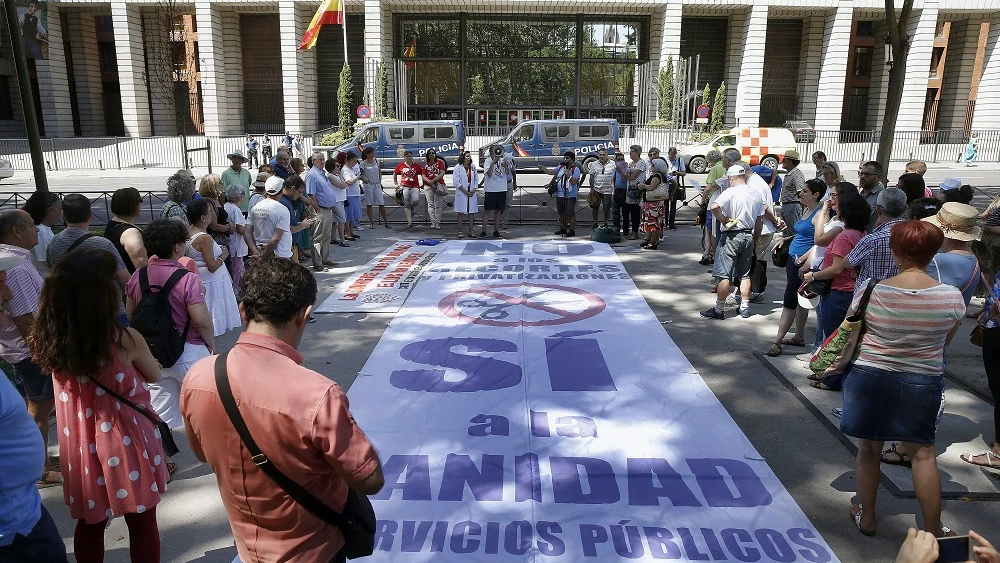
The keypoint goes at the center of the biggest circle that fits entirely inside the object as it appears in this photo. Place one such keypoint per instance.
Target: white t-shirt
(741, 204)
(602, 175)
(764, 191)
(237, 245)
(509, 159)
(339, 194)
(45, 236)
(349, 174)
(494, 183)
(820, 251)
(266, 217)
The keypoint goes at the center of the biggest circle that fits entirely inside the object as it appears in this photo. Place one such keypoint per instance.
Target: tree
(719, 109)
(665, 102)
(169, 68)
(899, 44)
(345, 99)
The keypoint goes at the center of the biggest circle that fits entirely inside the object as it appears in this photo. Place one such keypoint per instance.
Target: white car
(6, 170)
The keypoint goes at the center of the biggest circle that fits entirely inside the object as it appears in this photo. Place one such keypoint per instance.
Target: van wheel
(770, 161)
(585, 166)
(697, 165)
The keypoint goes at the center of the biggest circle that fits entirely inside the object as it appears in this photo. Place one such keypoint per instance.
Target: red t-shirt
(433, 169)
(409, 174)
(842, 246)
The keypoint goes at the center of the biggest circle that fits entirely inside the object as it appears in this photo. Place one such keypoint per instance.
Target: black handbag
(780, 256)
(356, 522)
(820, 287)
(169, 446)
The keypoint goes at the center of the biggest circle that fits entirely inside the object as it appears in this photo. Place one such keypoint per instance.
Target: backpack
(153, 320)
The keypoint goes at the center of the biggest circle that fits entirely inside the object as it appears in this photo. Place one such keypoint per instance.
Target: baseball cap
(950, 184)
(808, 299)
(735, 170)
(261, 180)
(273, 185)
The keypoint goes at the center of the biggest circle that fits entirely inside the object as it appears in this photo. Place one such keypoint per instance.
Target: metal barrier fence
(124, 153)
(929, 146)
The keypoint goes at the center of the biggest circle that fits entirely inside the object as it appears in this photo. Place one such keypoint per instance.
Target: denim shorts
(882, 405)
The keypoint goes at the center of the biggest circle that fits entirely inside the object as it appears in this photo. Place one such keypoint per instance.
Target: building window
(937, 56)
(521, 83)
(6, 104)
(108, 57)
(105, 24)
(429, 38)
(435, 82)
(866, 28)
(611, 40)
(863, 61)
(495, 38)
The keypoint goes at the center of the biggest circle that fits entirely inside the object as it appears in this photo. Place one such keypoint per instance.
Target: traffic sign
(703, 111)
(364, 112)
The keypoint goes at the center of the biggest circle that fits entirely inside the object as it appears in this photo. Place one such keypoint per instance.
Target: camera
(496, 151)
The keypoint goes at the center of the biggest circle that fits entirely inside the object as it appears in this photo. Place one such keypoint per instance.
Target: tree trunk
(892, 101)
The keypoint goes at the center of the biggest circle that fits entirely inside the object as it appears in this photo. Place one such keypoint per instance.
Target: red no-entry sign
(703, 111)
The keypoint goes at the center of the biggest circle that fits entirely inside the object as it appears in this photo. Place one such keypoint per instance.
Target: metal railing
(124, 153)
(929, 146)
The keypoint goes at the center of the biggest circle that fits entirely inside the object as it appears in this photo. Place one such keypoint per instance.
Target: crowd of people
(232, 250)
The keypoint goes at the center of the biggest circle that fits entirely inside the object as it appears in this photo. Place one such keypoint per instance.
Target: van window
(524, 133)
(553, 132)
(438, 132)
(369, 135)
(726, 141)
(594, 132)
(399, 135)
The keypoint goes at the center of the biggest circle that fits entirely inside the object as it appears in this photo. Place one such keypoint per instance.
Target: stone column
(751, 70)
(87, 72)
(988, 96)
(211, 51)
(297, 67)
(128, 46)
(960, 63)
(53, 81)
(922, 28)
(833, 68)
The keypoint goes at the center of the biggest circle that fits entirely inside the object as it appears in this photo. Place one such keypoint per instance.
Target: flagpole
(344, 26)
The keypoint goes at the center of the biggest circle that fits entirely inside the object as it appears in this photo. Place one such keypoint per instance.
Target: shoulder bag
(169, 446)
(780, 255)
(659, 193)
(553, 186)
(843, 343)
(356, 522)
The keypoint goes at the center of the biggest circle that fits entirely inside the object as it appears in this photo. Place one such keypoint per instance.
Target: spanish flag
(410, 52)
(330, 12)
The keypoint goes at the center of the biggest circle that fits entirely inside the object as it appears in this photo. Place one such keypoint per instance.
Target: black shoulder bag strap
(169, 446)
(294, 490)
(173, 280)
(78, 242)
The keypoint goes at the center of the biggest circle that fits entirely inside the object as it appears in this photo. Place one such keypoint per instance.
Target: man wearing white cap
(270, 223)
(951, 190)
(236, 175)
(740, 212)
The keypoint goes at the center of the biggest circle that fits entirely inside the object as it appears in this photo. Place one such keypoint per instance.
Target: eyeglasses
(862, 174)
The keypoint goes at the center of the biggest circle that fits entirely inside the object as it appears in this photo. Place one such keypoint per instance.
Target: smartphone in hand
(955, 549)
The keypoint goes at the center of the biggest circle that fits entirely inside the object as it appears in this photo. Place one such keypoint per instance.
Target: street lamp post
(27, 103)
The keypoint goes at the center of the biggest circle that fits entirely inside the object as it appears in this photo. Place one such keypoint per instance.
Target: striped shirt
(871, 258)
(26, 286)
(905, 329)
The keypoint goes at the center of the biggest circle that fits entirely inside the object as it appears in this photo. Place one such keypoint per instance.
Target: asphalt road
(810, 461)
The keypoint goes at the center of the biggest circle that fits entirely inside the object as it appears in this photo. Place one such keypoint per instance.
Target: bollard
(48, 165)
(100, 164)
(144, 164)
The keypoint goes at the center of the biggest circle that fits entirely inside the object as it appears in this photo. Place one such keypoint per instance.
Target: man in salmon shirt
(300, 421)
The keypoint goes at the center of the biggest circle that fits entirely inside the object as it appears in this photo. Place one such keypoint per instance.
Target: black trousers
(633, 212)
(991, 359)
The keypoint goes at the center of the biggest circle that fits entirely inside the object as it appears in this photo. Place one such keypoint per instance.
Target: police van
(544, 141)
(391, 138)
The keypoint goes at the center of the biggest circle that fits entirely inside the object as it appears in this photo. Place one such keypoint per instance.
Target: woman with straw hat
(956, 263)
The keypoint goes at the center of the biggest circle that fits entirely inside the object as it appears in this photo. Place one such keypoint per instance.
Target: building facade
(164, 67)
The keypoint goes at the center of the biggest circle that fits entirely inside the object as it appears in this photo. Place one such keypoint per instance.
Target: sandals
(821, 386)
(775, 350)
(50, 479)
(893, 456)
(856, 516)
(790, 341)
(815, 377)
(990, 457)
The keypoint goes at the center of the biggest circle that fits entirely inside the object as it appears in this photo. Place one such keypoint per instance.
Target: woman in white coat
(465, 179)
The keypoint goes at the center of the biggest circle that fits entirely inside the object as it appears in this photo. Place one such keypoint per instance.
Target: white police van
(391, 138)
(544, 141)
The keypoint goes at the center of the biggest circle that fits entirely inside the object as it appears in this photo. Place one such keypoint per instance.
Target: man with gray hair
(871, 258)
(322, 197)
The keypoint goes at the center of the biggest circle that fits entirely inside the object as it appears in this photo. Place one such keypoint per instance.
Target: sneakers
(570, 233)
(359, 228)
(706, 259)
(745, 312)
(482, 234)
(757, 298)
(561, 232)
(711, 313)
(734, 299)
(496, 234)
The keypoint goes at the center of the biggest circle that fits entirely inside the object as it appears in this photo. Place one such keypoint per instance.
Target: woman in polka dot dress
(113, 460)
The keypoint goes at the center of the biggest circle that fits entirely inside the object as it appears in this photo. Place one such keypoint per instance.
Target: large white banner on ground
(528, 406)
(381, 285)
